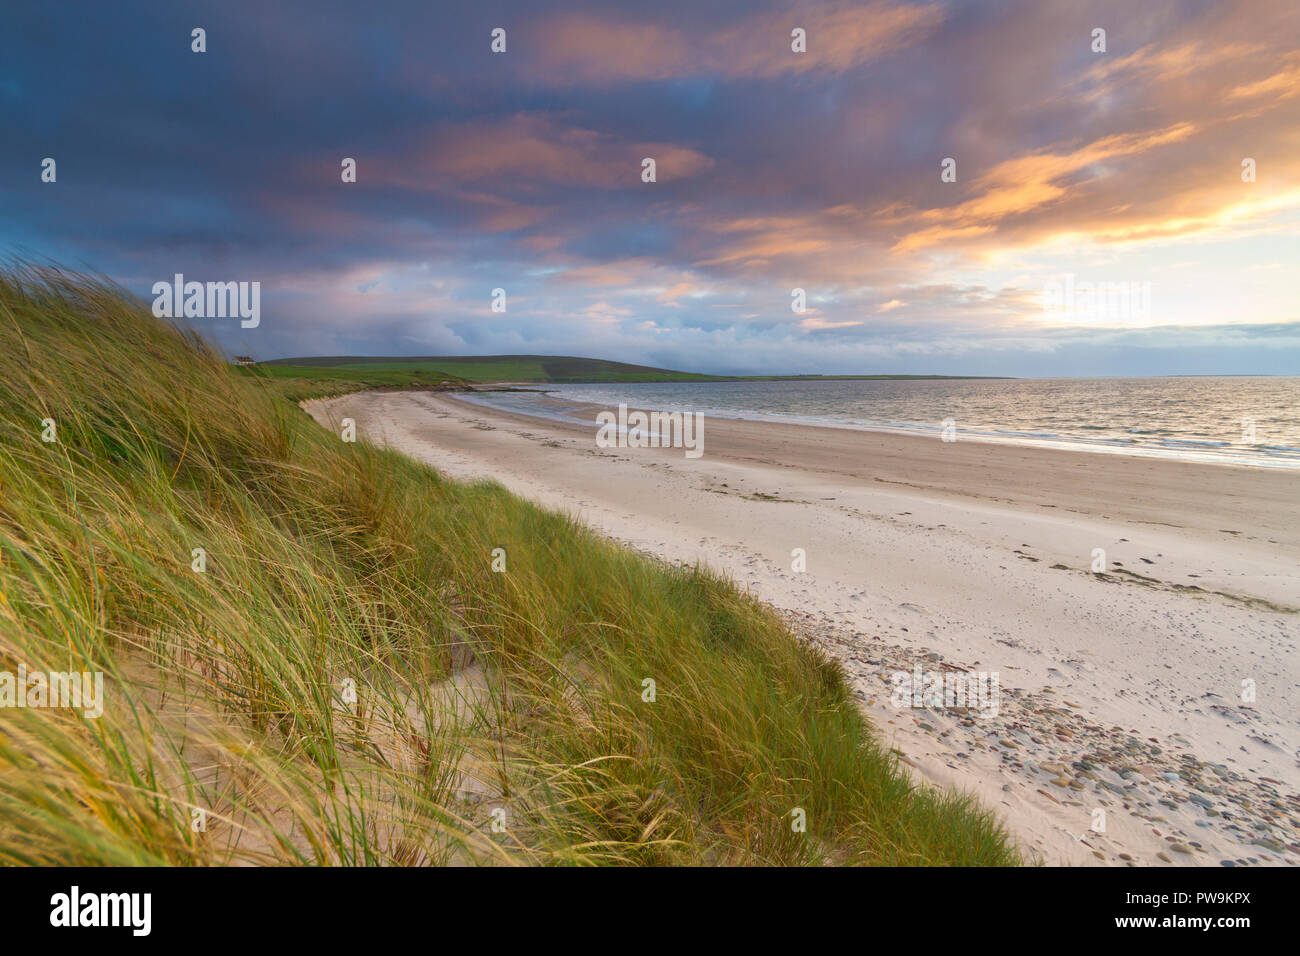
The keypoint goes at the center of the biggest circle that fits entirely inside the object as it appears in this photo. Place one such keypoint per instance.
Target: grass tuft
(348, 681)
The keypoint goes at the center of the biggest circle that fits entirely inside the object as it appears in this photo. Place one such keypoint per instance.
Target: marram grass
(347, 680)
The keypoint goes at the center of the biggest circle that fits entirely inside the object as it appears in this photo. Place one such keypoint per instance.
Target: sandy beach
(1148, 713)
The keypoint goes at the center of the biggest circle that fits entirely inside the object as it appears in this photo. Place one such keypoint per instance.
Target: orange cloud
(816, 323)
(581, 48)
(1028, 183)
(536, 148)
(1283, 84)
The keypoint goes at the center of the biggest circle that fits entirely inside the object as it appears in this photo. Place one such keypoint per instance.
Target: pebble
(1070, 749)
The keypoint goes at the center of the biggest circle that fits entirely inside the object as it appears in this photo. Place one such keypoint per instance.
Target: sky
(1072, 169)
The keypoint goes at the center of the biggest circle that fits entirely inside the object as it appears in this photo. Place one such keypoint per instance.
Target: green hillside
(315, 376)
(480, 368)
(321, 376)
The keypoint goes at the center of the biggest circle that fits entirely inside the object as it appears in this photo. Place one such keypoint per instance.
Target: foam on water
(1194, 419)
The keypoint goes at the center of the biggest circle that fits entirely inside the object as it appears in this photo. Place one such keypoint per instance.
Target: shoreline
(1201, 452)
(975, 556)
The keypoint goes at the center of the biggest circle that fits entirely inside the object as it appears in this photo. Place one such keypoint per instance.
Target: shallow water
(1241, 420)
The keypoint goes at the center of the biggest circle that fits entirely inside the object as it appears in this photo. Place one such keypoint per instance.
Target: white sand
(917, 545)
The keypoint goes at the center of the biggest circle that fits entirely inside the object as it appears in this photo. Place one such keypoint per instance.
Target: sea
(1252, 421)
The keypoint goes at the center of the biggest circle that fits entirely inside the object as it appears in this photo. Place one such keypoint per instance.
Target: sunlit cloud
(605, 46)
(776, 170)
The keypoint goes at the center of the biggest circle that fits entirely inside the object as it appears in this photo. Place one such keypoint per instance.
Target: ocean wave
(1179, 442)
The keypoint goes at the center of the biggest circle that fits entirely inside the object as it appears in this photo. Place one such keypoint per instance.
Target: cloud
(1029, 183)
(814, 323)
(534, 149)
(775, 170)
(1282, 85)
(603, 47)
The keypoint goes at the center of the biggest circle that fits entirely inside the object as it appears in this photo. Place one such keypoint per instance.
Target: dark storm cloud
(776, 170)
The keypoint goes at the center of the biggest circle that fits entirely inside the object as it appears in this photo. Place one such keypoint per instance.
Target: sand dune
(1121, 692)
